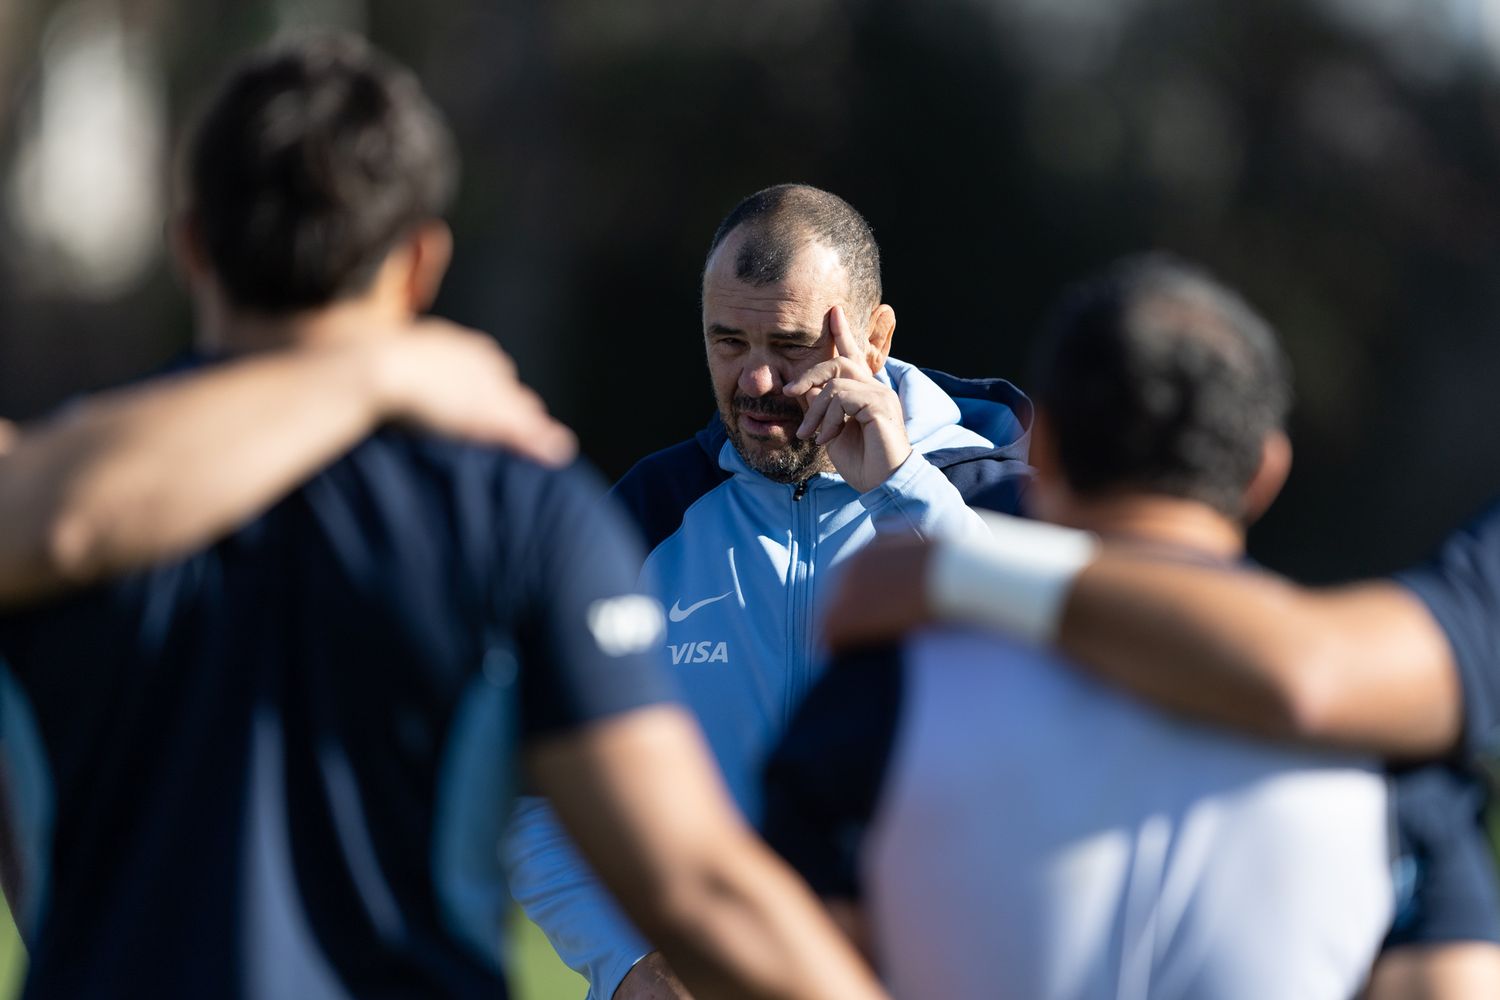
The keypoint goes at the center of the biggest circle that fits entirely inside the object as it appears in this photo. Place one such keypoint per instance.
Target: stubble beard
(793, 462)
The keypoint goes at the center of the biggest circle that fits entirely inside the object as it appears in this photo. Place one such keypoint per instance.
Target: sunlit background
(1338, 160)
(1335, 159)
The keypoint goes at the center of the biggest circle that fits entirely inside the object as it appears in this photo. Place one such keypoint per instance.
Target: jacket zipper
(797, 648)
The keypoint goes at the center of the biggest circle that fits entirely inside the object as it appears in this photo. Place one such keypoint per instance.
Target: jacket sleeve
(918, 498)
(562, 895)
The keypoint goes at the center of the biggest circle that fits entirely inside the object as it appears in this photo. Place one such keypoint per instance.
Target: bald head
(776, 224)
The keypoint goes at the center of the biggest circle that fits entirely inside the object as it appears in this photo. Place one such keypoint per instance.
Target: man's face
(759, 339)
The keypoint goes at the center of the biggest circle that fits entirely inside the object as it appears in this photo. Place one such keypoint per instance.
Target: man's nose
(759, 379)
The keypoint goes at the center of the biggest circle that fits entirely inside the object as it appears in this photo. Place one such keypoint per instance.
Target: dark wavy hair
(1157, 378)
(316, 155)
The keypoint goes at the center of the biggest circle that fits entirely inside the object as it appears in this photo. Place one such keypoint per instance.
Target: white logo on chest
(707, 651)
(677, 612)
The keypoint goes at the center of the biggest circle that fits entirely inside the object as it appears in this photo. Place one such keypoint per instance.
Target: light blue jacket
(742, 563)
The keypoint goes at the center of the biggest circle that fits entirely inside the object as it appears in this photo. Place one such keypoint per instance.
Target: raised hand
(857, 418)
(458, 382)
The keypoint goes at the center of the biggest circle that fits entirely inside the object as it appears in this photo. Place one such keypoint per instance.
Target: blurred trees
(1337, 160)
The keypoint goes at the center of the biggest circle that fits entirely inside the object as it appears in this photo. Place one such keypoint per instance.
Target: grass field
(536, 973)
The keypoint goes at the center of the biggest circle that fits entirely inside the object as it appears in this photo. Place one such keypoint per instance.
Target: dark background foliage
(1339, 161)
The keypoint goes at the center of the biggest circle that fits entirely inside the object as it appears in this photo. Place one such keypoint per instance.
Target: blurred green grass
(536, 972)
(12, 955)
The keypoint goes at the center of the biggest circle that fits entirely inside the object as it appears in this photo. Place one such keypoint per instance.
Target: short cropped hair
(780, 221)
(316, 155)
(1159, 379)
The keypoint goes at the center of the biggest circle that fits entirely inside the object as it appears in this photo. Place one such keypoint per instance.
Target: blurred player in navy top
(279, 766)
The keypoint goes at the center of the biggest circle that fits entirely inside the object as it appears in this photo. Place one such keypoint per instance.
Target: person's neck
(1169, 522)
(236, 332)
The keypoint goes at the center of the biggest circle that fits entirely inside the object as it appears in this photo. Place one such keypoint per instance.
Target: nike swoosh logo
(677, 613)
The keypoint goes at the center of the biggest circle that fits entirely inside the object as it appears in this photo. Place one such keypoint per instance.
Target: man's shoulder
(659, 489)
(996, 392)
(1460, 587)
(990, 481)
(1472, 550)
(995, 477)
(413, 515)
(396, 471)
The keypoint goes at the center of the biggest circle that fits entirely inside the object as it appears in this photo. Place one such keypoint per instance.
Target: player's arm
(135, 475)
(1365, 667)
(562, 895)
(640, 795)
(627, 769)
(850, 917)
(1451, 971)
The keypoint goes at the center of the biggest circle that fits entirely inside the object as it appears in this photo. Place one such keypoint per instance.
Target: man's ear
(882, 329)
(1048, 493)
(1042, 455)
(185, 249)
(431, 251)
(1270, 477)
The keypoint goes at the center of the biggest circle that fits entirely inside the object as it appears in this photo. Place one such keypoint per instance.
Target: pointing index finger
(844, 344)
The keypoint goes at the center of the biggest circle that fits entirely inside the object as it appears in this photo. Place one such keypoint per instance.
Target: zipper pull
(800, 491)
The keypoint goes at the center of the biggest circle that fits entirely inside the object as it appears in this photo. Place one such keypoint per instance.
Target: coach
(821, 441)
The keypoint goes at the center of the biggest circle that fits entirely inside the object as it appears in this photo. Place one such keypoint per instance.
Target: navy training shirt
(280, 767)
(1461, 587)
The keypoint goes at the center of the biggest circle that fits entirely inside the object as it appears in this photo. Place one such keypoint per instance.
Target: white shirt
(1040, 836)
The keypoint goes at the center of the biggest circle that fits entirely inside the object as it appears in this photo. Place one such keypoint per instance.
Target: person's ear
(431, 251)
(1042, 452)
(1270, 476)
(192, 267)
(1047, 495)
(185, 250)
(882, 328)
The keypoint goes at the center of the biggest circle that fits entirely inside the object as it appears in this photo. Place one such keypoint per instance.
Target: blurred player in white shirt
(1008, 828)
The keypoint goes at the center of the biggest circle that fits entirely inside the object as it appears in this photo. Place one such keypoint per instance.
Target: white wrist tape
(1017, 581)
